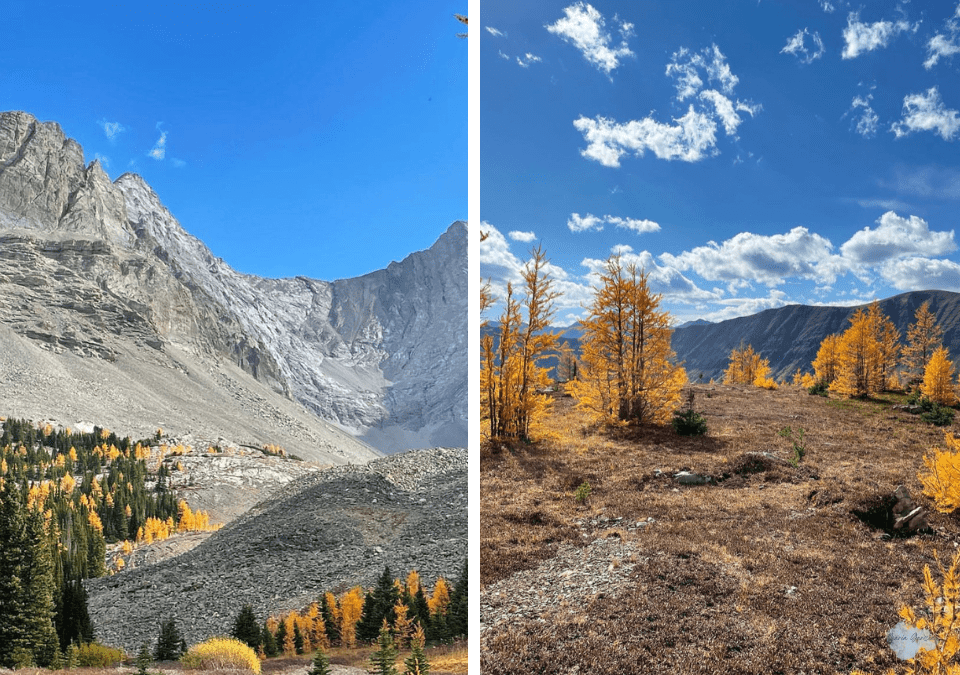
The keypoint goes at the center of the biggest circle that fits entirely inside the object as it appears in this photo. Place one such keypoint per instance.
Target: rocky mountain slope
(790, 336)
(102, 278)
(326, 531)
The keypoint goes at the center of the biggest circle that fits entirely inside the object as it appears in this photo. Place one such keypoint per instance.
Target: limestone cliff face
(96, 268)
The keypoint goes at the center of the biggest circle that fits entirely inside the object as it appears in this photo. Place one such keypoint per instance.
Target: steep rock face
(88, 262)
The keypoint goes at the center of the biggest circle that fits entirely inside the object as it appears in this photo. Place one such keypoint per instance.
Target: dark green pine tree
(321, 664)
(12, 532)
(170, 643)
(144, 660)
(380, 607)
(457, 610)
(281, 635)
(384, 660)
(40, 635)
(420, 610)
(297, 639)
(269, 642)
(333, 631)
(246, 628)
(73, 620)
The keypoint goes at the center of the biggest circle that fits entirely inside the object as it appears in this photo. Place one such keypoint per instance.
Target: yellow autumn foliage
(943, 607)
(746, 367)
(627, 371)
(222, 653)
(938, 378)
(941, 476)
(351, 608)
(440, 598)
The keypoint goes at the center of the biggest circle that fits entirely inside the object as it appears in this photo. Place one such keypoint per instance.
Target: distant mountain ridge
(790, 336)
(102, 271)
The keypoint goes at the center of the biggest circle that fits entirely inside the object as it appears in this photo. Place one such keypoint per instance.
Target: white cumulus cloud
(946, 43)
(927, 112)
(689, 138)
(585, 28)
(862, 37)
(896, 237)
(767, 259)
(797, 45)
(912, 274)
(522, 236)
(587, 222)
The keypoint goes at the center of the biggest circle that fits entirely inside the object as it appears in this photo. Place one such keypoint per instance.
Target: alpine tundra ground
(768, 569)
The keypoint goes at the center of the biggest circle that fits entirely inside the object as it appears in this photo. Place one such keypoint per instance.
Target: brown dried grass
(709, 593)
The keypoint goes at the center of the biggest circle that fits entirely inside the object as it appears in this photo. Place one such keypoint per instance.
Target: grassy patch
(769, 570)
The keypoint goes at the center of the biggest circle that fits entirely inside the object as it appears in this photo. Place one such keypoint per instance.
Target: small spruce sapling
(321, 664)
(384, 660)
(583, 493)
(799, 450)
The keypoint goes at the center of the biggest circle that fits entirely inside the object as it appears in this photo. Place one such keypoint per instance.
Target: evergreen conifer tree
(417, 663)
(144, 660)
(246, 629)
(321, 664)
(269, 642)
(40, 635)
(457, 610)
(329, 620)
(12, 609)
(170, 644)
(421, 609)
(384, 660)
(281, 635)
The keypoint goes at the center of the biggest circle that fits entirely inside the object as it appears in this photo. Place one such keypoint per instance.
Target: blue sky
(322, 139)
(747, 154)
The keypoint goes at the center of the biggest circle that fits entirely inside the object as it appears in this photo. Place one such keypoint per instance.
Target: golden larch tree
(746, 367)
(924, 336)
(351, 607)
(510, 371)
(888, 345)
(827, 363)
(940, 476)
(440, 598)
(938, 378)
(627, 372)
(859, 371)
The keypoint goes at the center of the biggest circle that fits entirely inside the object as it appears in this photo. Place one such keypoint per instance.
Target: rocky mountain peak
(382, 356)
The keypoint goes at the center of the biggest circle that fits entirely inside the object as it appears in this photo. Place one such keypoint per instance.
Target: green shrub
(938, 415)
(819, 389)
(221, 653)
(95, 655)
(689, 423)
(582, 493)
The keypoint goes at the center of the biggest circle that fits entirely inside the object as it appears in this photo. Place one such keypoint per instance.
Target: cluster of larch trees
(357, 617)
(626, 372)
(869, 358)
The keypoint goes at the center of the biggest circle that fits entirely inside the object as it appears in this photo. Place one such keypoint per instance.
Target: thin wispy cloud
(862, 37)
(945, 43)
(493, 31)
(159, 150)
(690, 137)
(585, 28)
(797, 45)
(827, 6)
(527, 60)
(179, 163)
(927, 112)
(865, 118)
(111, 129)
(576, 223)
(522, 236)
(105, 161)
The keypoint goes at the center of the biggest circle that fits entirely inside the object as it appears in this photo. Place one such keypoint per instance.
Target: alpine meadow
(720, 318)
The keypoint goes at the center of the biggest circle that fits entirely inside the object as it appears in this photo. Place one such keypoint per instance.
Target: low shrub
(221, 653)
(96, 655)
(582, 493)
(938, 415)
(818, 389)
(689, 423)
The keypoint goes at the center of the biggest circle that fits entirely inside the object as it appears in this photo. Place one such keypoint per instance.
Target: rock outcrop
(101, 269)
